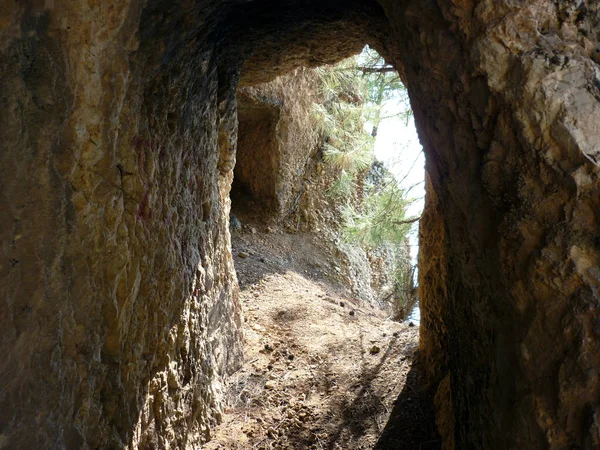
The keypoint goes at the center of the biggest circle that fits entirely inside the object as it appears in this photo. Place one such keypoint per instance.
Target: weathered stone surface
(276, 136)
(118, 310)
(118, 139)
(119, 314)
(279, 163)
(506, 98)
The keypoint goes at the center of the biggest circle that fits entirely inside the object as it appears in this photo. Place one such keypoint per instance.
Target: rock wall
(258, 155)
(506, 98)
(118, 136)
(119, 314)
(279, 161)
(276, 137)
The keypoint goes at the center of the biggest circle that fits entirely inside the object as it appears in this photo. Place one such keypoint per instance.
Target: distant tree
(341, 114)
(381, 217)
(353, 100)
(353, 97)
(382, 84)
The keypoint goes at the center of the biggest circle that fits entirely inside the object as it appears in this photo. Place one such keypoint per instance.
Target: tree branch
(407, 221)
(386, 69)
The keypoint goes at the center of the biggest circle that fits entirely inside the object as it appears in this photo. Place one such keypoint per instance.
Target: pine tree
(382, 85)
(353, 96)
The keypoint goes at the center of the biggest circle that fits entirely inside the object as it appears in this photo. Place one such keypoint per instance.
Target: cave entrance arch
(506, 169)
(261, 156)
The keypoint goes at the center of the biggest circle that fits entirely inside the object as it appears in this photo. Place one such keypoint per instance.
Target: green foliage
(382, 84)
(344, 185)
(381, 218)
(352, 95)
(350, 160)
(341, 117)
(405, 291)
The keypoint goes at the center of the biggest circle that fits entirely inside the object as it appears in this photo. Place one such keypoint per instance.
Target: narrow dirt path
(321, 371)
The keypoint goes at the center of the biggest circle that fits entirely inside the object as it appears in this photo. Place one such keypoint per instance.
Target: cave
(118, 143)
(257, 156)
(274, 145)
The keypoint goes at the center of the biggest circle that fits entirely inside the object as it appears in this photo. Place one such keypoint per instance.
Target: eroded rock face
(276, 136)
(506, 99)
(119, 314)
(118, 135)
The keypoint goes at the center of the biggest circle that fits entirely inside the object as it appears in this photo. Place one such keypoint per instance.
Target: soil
(322, 370)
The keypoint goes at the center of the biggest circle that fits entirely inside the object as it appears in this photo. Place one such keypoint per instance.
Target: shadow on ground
(361, 414)
(350, 411)
(412, 422)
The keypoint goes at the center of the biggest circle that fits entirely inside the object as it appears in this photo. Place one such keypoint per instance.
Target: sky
(397, 146)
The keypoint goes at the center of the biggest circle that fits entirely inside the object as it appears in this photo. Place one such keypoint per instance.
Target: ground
(322, 371)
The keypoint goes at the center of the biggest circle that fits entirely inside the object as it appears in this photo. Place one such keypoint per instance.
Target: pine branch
(403, 114)
(385, 69)
(411, 188)
(407, 221)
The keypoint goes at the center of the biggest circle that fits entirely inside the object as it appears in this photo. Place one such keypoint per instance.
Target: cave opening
(254, 190)
(302, 291)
